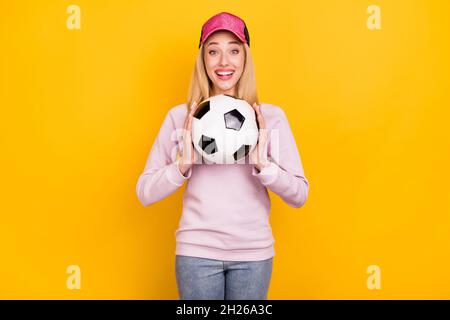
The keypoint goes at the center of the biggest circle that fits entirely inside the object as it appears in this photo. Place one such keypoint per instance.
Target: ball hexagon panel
(241, 152)
(208, 144)
(234, 120)
(202, 109)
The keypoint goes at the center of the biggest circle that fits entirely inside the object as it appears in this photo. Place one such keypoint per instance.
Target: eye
(237, 51)
(211, 51)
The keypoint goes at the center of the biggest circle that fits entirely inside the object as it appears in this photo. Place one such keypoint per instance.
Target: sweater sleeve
(161, 176)
(284, 176)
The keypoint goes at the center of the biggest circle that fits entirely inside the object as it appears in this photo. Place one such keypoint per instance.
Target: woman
(225, 246)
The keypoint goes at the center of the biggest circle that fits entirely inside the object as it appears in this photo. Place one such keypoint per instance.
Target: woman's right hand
(189, 156)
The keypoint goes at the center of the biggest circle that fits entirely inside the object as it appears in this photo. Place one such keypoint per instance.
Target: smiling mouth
(224, 75)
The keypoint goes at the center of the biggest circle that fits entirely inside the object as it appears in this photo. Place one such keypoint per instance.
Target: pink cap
(225, 21)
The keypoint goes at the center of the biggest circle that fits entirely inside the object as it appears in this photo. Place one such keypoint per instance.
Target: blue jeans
(209, 279)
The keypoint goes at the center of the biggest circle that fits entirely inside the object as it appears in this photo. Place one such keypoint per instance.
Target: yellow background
(369, 109)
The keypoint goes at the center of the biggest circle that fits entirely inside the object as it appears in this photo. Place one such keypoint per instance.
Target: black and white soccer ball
(224, 129)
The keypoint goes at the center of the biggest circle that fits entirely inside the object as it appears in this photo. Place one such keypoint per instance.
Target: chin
(227, 87)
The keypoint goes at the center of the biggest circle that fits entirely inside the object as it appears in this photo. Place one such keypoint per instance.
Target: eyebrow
(231, 42)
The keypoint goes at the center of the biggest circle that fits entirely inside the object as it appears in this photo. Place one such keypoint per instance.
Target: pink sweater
(225, 207)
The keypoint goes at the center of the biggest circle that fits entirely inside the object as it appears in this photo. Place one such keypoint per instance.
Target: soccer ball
(224, 129)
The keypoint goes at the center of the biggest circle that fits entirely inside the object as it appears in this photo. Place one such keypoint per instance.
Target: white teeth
(224, 73)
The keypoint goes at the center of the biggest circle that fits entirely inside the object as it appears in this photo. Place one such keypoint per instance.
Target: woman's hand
(258, 156)
(189, 156)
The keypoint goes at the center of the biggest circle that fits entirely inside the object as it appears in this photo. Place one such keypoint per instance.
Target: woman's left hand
(258, 156)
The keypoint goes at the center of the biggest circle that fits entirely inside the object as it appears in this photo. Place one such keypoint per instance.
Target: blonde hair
(200, 87)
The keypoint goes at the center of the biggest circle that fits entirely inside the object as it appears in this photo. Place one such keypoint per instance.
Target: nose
(223, 60)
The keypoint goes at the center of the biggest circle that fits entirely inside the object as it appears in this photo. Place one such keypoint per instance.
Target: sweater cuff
(175, 176)
(268, 174)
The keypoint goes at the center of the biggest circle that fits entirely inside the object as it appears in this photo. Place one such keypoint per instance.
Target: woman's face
(224, 54)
